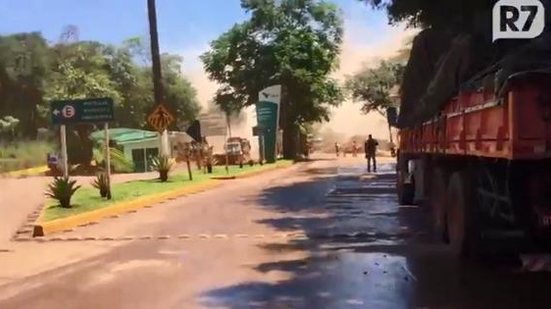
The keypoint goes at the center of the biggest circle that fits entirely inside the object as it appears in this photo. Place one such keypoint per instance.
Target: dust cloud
(347, 119)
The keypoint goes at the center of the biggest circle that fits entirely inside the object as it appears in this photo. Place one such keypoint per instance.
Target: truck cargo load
(441, 65)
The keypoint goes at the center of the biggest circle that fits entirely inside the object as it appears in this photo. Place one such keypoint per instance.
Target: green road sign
(82, 111)
(267, 116)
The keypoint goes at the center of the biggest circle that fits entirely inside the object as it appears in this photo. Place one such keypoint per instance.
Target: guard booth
(140, 146)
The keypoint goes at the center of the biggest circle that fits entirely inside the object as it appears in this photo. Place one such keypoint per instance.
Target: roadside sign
(194, 131)
(267, 117)
(82, 111)
(213, 124)
(160, 118)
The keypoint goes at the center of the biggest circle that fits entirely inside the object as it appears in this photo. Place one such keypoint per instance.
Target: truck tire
(459, 215)
(406, 191)
(438, 202)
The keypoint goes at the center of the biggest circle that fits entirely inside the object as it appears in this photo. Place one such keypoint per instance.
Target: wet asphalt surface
(361, 250)
(369, 252)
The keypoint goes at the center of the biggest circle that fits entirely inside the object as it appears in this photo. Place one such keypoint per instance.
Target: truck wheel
(459, 198)
(406, 191)
(438, 202)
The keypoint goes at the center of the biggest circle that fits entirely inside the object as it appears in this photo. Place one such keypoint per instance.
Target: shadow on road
(364, 251)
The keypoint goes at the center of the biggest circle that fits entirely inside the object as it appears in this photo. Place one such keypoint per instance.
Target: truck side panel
(477, 124)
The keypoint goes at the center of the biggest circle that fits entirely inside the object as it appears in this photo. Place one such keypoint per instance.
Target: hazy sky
(186, 27)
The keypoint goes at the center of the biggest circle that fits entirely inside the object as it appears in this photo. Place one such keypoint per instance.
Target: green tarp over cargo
(124, 135)
(436, 73)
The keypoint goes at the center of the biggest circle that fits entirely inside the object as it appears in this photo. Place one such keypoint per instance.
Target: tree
(8, 124)
(79, 71)
(24, 64)
(292, 43)
(455, 16)
(125, 76)
(374, 87)
(179, 93)
(137, 88)
(32, 73)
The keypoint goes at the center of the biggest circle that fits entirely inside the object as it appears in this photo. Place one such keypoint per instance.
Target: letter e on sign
(68, 111)
(518, 19)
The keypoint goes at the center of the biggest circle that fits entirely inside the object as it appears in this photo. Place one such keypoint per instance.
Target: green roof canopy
(124, 135)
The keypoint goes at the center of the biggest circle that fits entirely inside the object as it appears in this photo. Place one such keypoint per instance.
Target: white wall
(153, 143)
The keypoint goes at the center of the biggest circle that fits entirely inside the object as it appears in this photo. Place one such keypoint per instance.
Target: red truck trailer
(483, 166)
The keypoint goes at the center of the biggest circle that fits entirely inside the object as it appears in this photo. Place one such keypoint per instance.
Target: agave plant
(163, 165)
(102, 184)
(62, 190)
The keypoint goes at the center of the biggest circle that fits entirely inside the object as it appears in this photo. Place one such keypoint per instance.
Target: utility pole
(156, 64)
(155, 54)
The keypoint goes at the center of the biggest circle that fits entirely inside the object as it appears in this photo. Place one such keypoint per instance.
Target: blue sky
(182, 23)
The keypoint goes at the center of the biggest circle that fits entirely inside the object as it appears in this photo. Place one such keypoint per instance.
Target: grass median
(87, 199)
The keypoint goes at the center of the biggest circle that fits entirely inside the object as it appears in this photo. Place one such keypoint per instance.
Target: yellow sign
(160, 118)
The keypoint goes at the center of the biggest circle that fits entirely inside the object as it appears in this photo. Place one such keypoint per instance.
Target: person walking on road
(370, 153)
(337, 148)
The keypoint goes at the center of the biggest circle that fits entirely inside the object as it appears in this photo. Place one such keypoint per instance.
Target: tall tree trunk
(290, 142)
(287, 123)
(228, 120)
(155, 54)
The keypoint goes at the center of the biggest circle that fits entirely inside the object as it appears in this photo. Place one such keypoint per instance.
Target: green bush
(23, 154)
(102, 184)
(163, 165)
(62, 190)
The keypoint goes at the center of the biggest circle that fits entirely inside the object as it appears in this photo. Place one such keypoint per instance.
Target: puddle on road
(378, 280)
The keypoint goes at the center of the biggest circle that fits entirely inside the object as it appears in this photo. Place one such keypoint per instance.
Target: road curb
(63, 224)
(58, 225)
(254, 173)
(265, 170)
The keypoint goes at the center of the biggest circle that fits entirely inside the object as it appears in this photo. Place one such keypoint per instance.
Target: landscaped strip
(133, 195)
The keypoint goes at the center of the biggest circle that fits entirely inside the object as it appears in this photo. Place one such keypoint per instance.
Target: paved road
(20, 196)
(240, 246)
